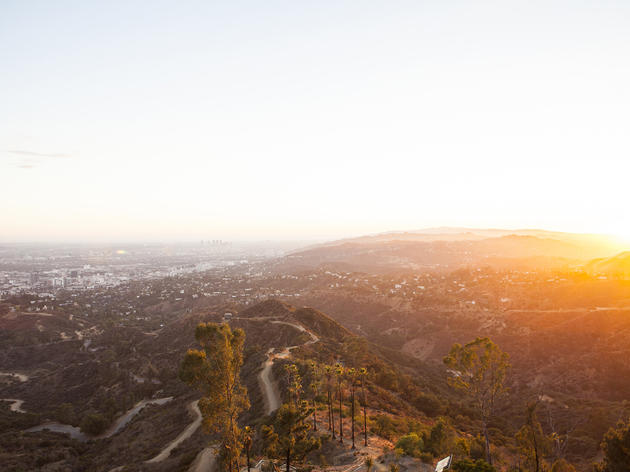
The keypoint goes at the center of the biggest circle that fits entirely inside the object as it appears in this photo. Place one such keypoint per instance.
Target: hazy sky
(292, 119)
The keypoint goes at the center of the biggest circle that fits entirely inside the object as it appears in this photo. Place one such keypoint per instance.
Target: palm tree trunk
(248, 468)
(364, 413)
(365, 426)
(331, 413)
(352, 412)
(340, 414)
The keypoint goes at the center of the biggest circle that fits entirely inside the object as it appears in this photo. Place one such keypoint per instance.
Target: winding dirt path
(193, 407)
(16, 405)
(116, 426)
(271, 395)
(20, 377)
(205, 460)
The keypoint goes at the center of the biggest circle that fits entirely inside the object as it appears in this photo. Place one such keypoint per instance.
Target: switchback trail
(118, 425)
(205, 460)
(270, 393)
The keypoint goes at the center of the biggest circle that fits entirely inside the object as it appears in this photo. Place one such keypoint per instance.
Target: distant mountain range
(450, 248)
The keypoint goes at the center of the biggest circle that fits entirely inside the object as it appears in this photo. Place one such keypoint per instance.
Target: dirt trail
(20, 377)
(116, 426)
(270, 392)
(16, 405)
(193, 407)
(205, 461)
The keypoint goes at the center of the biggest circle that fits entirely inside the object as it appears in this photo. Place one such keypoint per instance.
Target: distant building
(227, 317)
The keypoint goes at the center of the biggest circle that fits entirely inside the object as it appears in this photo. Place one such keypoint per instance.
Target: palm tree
(352, 378)
(294, 382)
(331, 415)
(247, 433)
(363, 374)
(339, 371)
(314, 391)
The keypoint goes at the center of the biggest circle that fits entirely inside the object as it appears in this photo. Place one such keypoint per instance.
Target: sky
(154, 120)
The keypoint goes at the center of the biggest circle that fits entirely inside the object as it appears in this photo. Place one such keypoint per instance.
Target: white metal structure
(444, 464)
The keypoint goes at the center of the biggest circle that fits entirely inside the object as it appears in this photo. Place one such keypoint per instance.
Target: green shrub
(93, 424)
(411, 444)
(478, 465)
(478, 448)
(429, 404)
(562, 466)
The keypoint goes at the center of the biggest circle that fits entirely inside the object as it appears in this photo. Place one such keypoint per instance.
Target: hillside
(99, 357)
(65, 380)
(618, 265)
(447, 251)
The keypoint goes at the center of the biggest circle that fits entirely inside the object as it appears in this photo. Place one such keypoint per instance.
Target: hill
(62, 381)
(531, 249)
(618, 265)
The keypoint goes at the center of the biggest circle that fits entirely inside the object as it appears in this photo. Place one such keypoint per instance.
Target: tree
(93, 424)
(247, 439)
(314, 391)
(339, 371)
(480, 368)
(616, 446)
(215, 372)
(438, 440)
(294, 383)
(560, 435)
(532, 441)
(288, 436)
(369, 463)
(352, 379)
(363, 374)
(65, 413)
(331, 416)
(411, 444)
